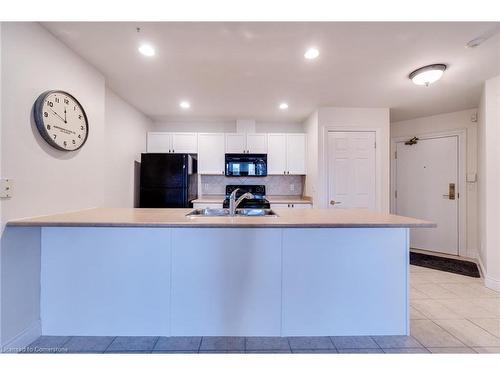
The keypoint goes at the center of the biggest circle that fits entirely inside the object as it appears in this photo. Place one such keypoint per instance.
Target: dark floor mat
(461, 267)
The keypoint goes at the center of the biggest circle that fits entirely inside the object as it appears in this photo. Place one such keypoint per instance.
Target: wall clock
(61, 120)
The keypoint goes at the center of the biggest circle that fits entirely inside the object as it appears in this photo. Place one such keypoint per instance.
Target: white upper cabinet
(211, 153)
(257, 143)
(276, 154)
(185, 143)
(296, 153)
(159, 142)
(286, 154)
(179, 143)
(241, 143)
(235, 143)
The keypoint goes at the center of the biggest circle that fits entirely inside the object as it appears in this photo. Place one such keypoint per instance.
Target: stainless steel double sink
(248, 212)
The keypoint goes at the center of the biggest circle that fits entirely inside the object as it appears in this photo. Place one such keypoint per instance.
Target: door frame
(461, 134)
(378, 158)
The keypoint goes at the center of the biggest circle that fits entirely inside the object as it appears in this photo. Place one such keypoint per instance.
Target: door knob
(334, 202)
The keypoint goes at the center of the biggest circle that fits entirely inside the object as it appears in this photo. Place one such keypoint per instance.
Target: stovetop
(259, 192)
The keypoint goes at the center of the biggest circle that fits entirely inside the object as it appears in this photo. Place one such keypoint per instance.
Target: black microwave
(246, 165)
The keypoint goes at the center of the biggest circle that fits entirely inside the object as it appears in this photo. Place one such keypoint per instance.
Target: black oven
(247, 165)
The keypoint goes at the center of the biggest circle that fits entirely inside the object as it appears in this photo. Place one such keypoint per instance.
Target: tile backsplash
(275, 185)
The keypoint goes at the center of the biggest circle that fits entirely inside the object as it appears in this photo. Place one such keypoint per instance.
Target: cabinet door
(235, 143)
(211, 153)
(280, 205)
(296, 153)
(185, 143)
(276, 153)
(207, 205)
(301, 205)
(257, 143)
(159, 142)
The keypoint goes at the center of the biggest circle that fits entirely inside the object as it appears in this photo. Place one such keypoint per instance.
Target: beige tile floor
(452, 313)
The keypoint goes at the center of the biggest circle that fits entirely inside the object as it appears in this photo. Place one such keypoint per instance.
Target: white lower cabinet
(207, 205)
(291, 205)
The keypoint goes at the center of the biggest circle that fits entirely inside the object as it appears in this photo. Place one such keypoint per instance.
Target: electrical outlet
(6, 187)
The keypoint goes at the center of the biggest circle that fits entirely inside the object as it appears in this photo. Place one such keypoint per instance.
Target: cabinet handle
(334, 202)
(288, 172)
(173, 151)
(284, 172)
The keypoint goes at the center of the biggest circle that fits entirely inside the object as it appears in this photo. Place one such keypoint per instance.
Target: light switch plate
(6, 185)
(471, 177)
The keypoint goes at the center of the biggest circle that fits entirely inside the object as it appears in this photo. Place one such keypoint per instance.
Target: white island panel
(345, 281)
(105, 281)
(226, 282)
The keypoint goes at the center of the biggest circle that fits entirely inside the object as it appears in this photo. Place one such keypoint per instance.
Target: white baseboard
(489, 282)
(492, 283)
(481, 266)
(23, 339)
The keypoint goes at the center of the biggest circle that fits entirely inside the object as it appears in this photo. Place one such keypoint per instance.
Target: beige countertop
(271, 198)
(172, 217)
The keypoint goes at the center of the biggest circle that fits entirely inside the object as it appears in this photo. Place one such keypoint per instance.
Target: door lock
(451, 192)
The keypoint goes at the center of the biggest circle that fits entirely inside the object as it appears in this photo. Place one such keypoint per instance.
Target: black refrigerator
(168, 180)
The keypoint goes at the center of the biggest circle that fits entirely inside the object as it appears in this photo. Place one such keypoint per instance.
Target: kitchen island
(159, 272)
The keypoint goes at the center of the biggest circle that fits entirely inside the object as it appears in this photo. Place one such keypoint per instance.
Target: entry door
(351, 170)
(426, 175)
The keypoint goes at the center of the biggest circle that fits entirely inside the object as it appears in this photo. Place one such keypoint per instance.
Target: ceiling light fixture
(147, 50)
(311, 53)
(283, 106)
(476, 42)
(184, 105)
(427, 74)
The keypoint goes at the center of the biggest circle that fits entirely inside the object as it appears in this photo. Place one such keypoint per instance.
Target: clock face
(61, 120)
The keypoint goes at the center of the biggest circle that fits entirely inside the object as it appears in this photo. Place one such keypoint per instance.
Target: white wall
(211, 126)
(481, 183)
(125, 130)
(489, 182)
(460, 120)
(47, 180)
(1, 222)
(311, 180)
(361, 119)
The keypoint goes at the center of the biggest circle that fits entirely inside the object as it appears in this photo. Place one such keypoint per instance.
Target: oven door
(246, 165)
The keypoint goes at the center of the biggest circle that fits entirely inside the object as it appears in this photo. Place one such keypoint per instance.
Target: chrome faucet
(234, 203)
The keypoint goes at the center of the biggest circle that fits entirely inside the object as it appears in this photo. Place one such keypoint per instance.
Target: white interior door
(424, 172)
(351, 169)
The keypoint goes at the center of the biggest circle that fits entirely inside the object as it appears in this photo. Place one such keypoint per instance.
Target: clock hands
(65, 116)
(55, 113)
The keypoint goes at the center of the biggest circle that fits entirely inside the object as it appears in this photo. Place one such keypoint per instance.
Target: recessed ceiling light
(283, 106)
(427, 74)
(147, 49)
(311, 53)
(184, 105)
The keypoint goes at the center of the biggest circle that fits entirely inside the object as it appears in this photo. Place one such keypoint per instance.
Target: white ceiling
(243, 70)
